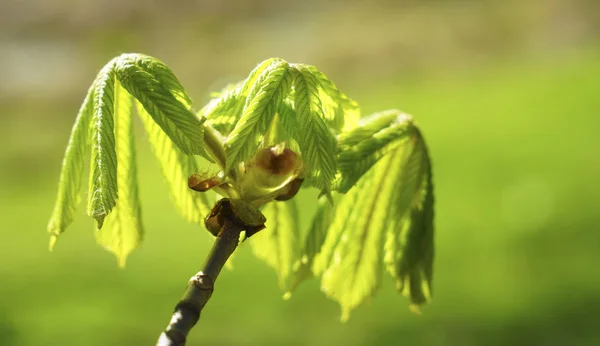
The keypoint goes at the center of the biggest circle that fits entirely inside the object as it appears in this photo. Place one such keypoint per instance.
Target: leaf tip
(287, 295)
(52, 242)
(122, 261)
(345, 315)
(415, 309)
(99, 221)
(327, 195)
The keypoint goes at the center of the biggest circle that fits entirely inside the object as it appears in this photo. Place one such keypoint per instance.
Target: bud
(270, 174)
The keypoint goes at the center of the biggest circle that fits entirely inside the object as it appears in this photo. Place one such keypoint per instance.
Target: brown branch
(201, 285)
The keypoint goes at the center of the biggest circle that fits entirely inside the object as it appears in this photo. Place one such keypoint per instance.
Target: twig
(201, 285)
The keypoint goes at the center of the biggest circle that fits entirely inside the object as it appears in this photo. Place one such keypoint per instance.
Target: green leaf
(313, 241)
(103, 172)
(375, 137)
(176, 167)
(154, 92)
(409, 243)
(72, 169)
(122, 231)
(161, 72)
(278, 243)
(341, 112)
(224, 111)
(369, 224)
(264, 99)
(317, 143)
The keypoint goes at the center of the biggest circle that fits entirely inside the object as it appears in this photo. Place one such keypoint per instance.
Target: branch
(201, 285)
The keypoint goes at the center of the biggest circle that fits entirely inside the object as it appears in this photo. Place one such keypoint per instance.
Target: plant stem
(214, 143)
(201, 285)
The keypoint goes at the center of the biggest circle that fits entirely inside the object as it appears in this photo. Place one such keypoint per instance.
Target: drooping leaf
(103, 172)
(122, 231)
(174, 117)
(369, 225)
(71, 174)
(376, 136)
(409, 244)
(176, 167)
(317, 143)
(341, 112)
(224, 111)
(162, 73)
(278, 244)
(313, 241)
(350, 260)
(264, 99)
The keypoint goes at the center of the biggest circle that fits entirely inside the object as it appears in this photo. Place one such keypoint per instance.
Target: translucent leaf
(176, 167)
(278, 244)
(224, 111)
(376, 136)
(71, 174)
(264, 99)
(341, 112)
(122, 231)
(314, 239)
(165, 107)
(317, 143)
(369, 228)
(103, 172)
(162, 73)
(409, 243)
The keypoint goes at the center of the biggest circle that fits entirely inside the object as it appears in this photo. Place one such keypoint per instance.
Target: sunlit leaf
(341, 112)
(409, 244)
(162, 73)
(103, 172)
(174, 117)
(312, 242)
(225, 110)
(264, 99)
(176, 167)
(278, 244)
(122, 231)
(376, 136)
(374, 212)
(316, 140)
(71, 174)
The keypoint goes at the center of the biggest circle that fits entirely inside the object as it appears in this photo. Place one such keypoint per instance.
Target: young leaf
(409, 243)
(264, 99)
(277, 245)
(225, 111)
(72, 169)
(123, 231)
(313, 241)
(375, 137)
(173, 116)
(316, 141)
(162, 73)
(372, 214)
(176, 167)
(103, 172)
(341, 112)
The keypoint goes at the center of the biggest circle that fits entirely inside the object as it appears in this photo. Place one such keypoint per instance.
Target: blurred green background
(507, 93)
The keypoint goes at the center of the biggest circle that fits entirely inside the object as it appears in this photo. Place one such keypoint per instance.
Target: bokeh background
(507, 93)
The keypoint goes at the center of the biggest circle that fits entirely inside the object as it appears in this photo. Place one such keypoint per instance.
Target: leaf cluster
(374, 173)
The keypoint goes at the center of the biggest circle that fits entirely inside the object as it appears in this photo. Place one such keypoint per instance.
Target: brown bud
(197, 183)
(278, 162)
(292, 189)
